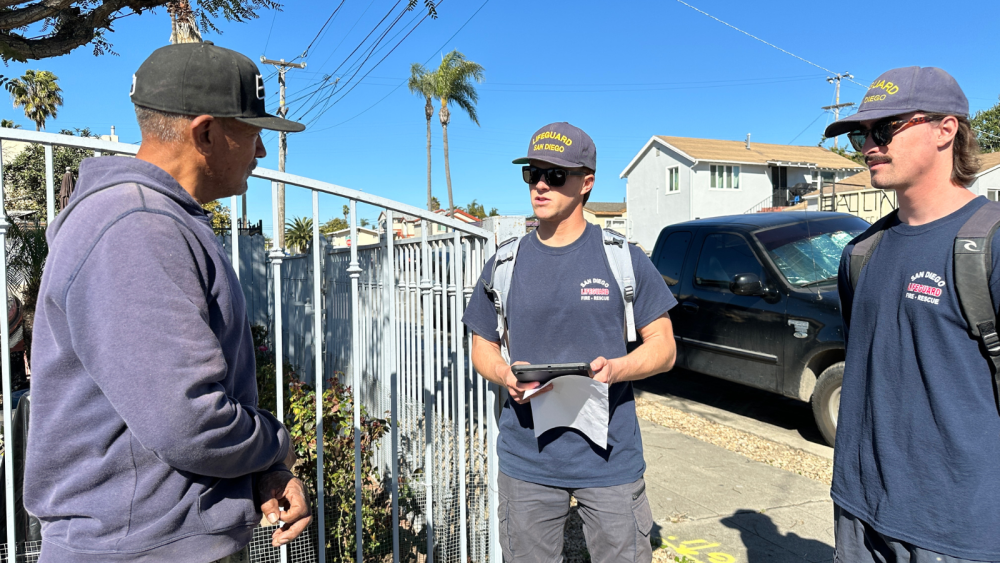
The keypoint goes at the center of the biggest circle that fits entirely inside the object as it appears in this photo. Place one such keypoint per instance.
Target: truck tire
(826, 401)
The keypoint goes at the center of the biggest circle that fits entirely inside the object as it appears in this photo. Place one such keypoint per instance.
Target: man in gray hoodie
(146, 441)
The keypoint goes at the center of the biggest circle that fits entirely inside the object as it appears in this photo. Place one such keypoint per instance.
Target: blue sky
(622, 71)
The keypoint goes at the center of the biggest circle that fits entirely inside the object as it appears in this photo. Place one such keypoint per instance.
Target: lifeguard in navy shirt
(549, 321)
(917, 459)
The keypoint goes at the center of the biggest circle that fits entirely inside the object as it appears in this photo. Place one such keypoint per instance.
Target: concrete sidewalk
(715, 506)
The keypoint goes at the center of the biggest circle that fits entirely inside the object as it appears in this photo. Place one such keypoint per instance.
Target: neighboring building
(342, 238)
(408, 226)
(988, 180)
(610, 215)
(676, 179)
(855, 195)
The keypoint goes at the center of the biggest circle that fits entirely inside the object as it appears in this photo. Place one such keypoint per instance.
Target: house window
(616, 224)
(993, 194)
(725, 177)
(673, 179)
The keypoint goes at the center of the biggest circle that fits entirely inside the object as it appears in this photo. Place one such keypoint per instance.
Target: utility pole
(282, 67)
(835, 79)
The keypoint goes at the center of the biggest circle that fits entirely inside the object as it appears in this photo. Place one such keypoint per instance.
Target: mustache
(877, 159)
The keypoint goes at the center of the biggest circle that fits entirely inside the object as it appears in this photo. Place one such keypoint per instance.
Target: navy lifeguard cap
(563, 145)
(904, 90)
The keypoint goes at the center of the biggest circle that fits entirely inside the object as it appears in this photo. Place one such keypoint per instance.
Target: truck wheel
(826, 401)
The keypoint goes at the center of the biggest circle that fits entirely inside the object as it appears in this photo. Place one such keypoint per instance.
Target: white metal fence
(388, 318)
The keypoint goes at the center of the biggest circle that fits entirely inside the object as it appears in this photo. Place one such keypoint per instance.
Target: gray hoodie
(145, 432)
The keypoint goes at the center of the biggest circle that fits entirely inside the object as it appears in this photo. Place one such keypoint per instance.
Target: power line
(400, 85)
(326, 23)
(268, 42)
(807, 127)
(765, 42)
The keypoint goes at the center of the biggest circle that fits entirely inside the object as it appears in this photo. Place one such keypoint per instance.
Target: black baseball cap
(203, 79)
(562, 144)
(905, 90)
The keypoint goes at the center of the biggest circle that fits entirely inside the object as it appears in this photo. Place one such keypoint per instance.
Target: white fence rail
(385, 319)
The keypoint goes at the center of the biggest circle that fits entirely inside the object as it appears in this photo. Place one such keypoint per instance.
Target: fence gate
(401, 436)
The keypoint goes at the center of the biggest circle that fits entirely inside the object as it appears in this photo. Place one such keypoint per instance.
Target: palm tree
(422, 83)
(39, 94)
(454, 84)
(183, 28)
(298, 233)
(9, 124)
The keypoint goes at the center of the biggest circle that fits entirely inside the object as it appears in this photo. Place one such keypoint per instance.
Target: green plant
(338, 457)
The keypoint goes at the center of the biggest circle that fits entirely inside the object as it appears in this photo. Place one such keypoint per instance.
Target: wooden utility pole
(835, 79)
(282, 67)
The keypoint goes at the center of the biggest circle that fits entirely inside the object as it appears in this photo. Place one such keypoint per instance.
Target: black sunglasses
(554, 177)
(883, 131)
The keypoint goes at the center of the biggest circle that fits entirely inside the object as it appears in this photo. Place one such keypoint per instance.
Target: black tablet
(544, 372)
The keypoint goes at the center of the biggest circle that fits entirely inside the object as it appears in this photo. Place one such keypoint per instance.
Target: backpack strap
(503, 273)
(620, 261)
(864, 248)
(973, 266)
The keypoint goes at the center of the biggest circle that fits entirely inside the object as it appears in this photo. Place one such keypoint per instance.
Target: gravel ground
(743, 443)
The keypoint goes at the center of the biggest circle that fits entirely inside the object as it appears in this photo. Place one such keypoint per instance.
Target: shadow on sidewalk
(755, 527)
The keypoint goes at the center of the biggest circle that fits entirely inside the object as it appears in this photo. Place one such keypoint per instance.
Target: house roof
(736, 152)
(988, 162)
(605, 208)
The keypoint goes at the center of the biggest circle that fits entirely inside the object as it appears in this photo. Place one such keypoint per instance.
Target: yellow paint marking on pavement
(691, 549)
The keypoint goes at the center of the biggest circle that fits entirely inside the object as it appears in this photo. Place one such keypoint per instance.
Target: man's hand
(517, 388)
(603, 370)
(284, 498)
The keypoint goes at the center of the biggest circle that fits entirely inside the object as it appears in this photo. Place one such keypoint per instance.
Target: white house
(676, 179)
(988, 180)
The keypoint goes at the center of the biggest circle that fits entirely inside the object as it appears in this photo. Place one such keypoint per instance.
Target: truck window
(724, 255)
(672, 255)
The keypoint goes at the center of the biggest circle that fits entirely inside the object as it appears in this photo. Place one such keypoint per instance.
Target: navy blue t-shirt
(918, 438)
(556, 316)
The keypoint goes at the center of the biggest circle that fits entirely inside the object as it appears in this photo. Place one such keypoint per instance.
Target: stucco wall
(755, 185)
(986, 182)
(650, 207)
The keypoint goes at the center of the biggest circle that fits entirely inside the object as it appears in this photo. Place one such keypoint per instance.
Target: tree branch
(13, 19)
(73, 32)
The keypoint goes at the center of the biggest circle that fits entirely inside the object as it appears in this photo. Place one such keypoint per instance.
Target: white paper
(574, 402)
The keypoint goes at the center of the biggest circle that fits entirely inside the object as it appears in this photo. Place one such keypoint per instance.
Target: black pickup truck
(758, 301)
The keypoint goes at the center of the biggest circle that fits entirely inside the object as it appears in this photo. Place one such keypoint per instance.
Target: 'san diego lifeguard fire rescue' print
(599, 291)
(928, 291)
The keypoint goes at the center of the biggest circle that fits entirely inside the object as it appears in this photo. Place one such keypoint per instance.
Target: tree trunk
(429, 112)
(445, 117)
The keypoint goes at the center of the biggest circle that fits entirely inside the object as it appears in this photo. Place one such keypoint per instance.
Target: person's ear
(946, 130)
(588, 183)
(205, 132)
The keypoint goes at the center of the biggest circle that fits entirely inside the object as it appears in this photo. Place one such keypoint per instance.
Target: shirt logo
(598, 293)
(929, 292)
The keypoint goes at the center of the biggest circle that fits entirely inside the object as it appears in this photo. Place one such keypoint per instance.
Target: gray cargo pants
(616, 521)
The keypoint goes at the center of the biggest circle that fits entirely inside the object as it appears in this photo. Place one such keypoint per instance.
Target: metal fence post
(8, 430)
(427, 355)
(50, 192)
(390, 367)
(276, 257)
(492, 420)
(317, 251)
(354, 270)
(455, 289)
(235, 232)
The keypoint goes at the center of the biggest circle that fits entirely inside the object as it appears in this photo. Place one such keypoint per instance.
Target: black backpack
(973, 264)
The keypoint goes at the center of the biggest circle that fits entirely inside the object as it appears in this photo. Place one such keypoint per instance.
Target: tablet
(544, 372)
